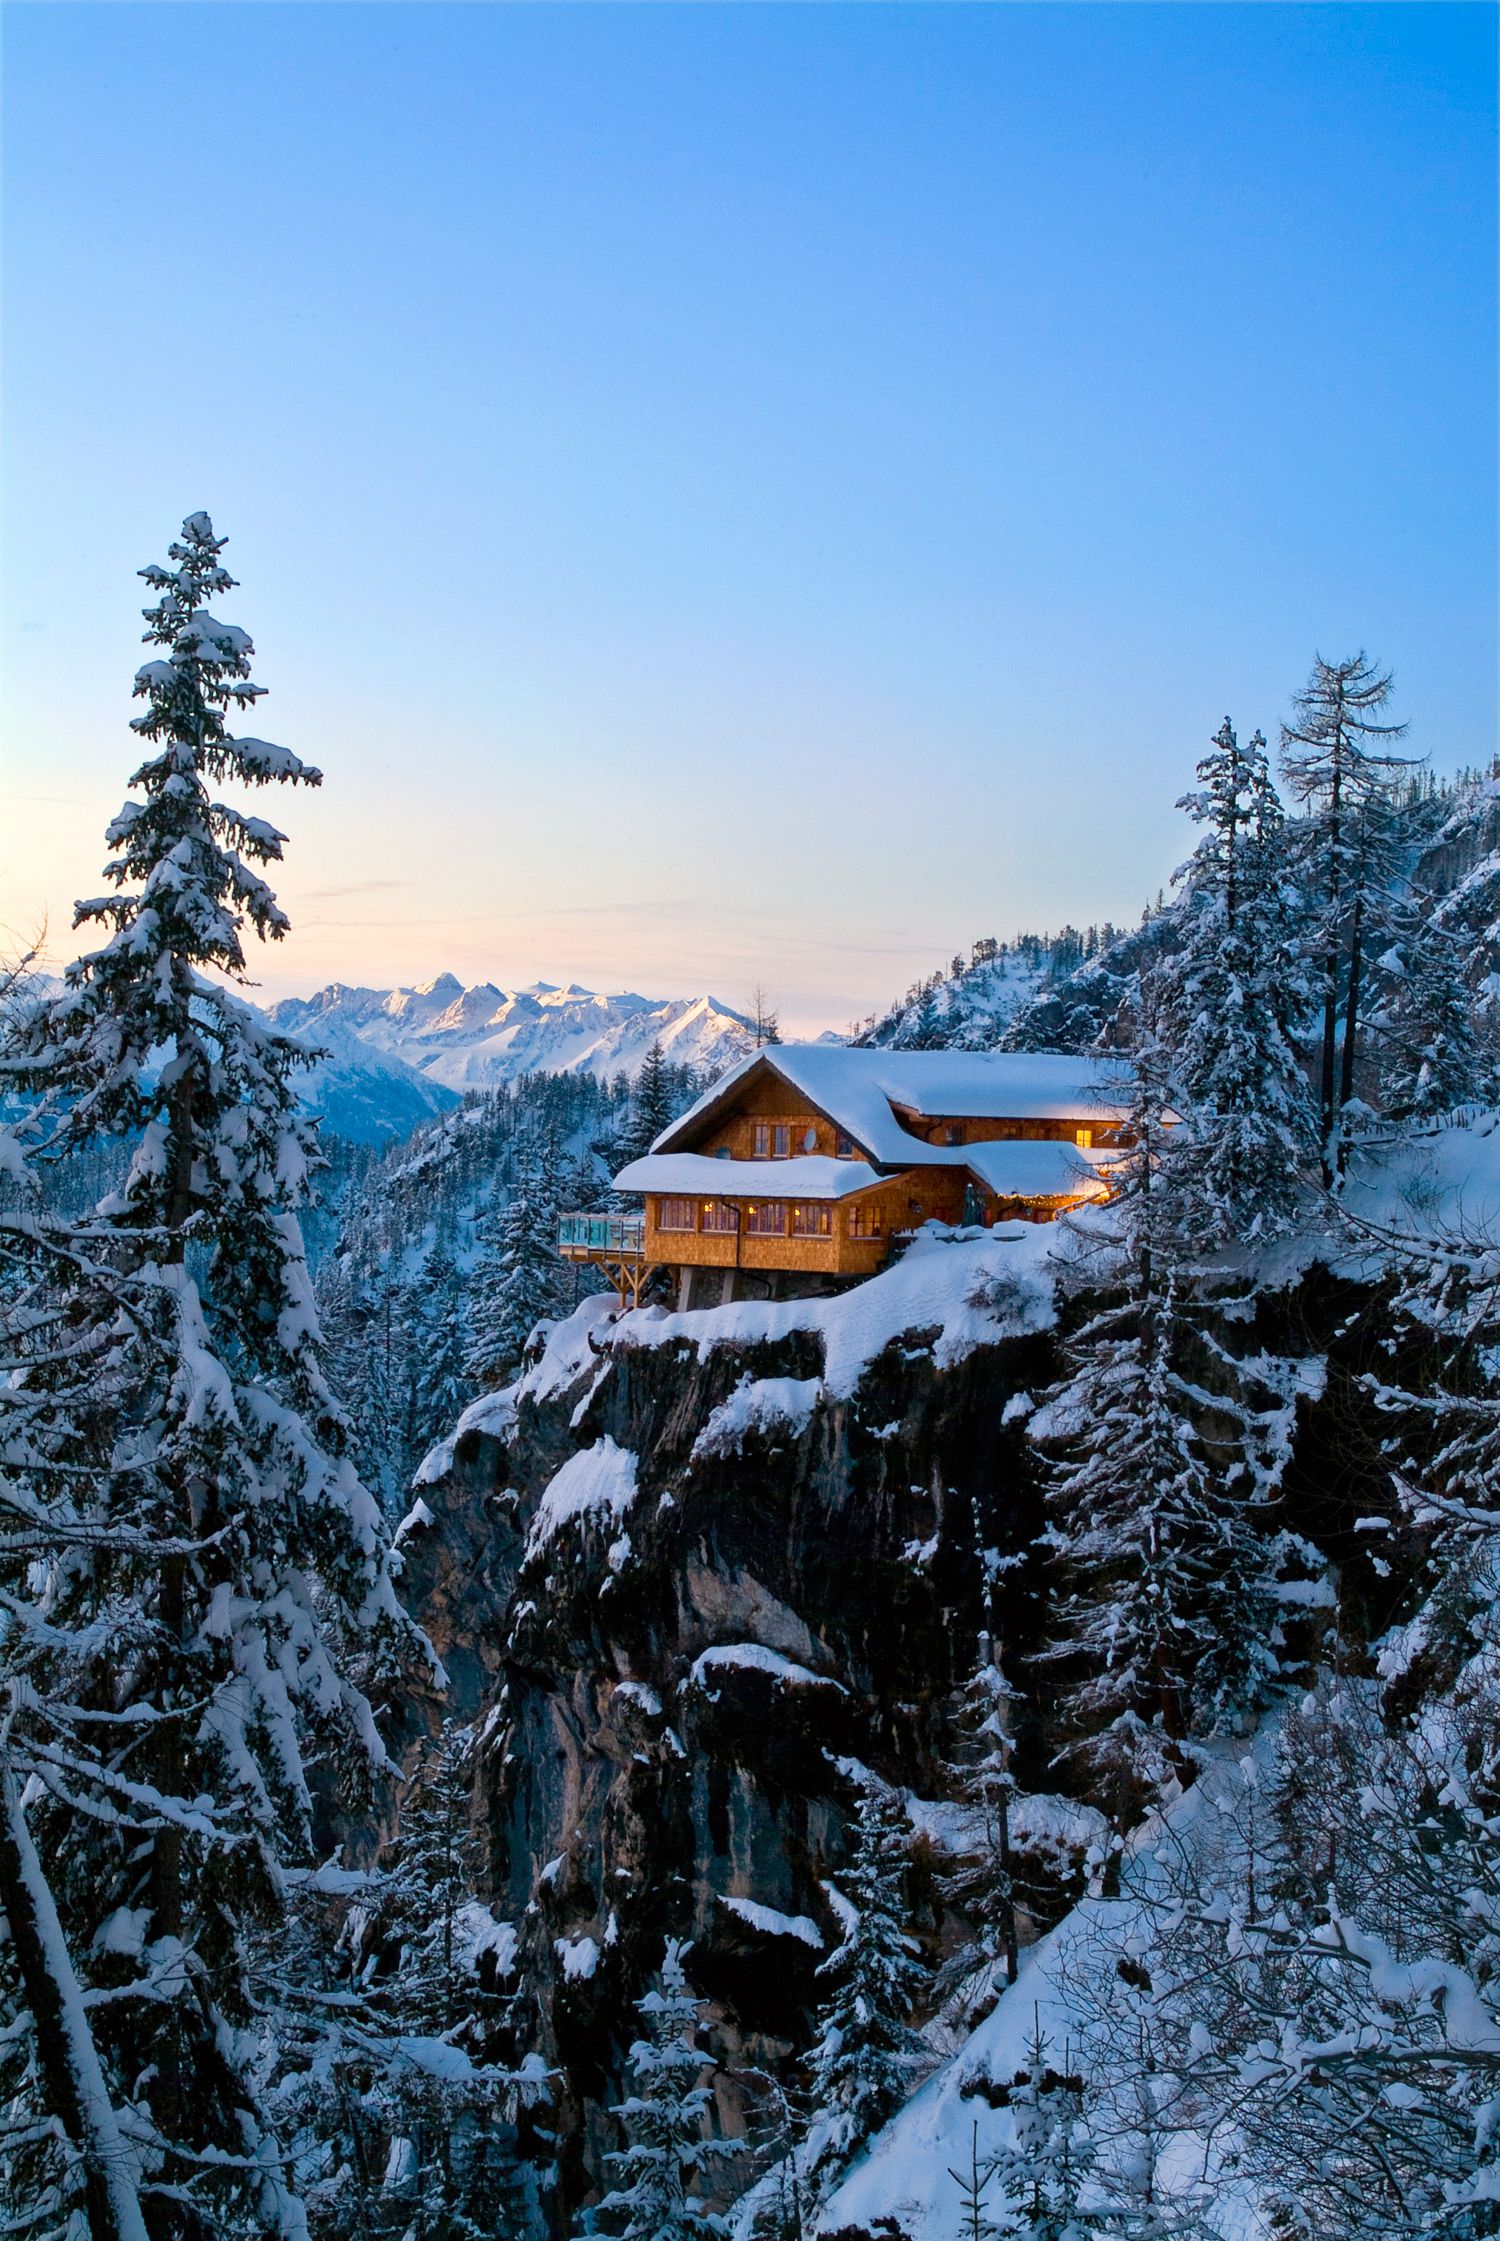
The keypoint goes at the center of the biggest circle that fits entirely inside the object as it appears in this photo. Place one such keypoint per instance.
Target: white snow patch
(579, 1957)
(970, 1290)
(758, 1658)
(758, 1404)
(416, 1517)
(599, 1481)
(774, 1923)
(494, 1413)
(482, 1934)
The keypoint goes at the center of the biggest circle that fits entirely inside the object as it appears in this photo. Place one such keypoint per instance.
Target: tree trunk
(1351, 1011)
(72, 2075)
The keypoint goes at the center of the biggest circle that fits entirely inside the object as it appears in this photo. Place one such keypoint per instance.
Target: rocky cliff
(693, 1573)
(697, 1571)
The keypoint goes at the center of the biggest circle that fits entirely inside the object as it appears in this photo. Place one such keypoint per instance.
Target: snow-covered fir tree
(1047, 2170)
(984, 1886)
(1237, 998)
(657, 2177)
(1429, 1053)
(1338, 758)
(867, 2055)
(518, 1279)
(1159, 1459)
(437, 1345)
(401, 2101)
(197, 1586)
(653, 1103)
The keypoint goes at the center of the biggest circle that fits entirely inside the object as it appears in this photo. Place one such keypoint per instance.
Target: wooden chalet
(800, 1168)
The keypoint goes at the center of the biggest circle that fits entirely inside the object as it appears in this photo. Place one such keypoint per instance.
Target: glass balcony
(619, 1236)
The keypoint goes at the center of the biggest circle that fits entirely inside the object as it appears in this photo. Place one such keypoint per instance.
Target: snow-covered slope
(367, 1095)
(477, 1038)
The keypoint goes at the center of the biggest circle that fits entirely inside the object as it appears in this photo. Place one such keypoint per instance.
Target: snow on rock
(758, 1404)
(418, 1516)
(579, 1957)
(599, 1481)
(773, 1923)
(969, 1289)
(572, 1347)
(494, 1413)
(755, 1657)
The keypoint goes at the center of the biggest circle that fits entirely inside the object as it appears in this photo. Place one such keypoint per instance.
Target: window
(1084, 1139)
(676, 1213)
(761, 1140)
(767, 1218)
(781, 1140)
(812, 1219)
(719, 1215)
(952, 1135)
(864, 1221)
(843, 1145)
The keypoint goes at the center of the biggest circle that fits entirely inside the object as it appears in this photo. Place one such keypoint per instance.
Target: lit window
(676, 1213)
(719, 1215)
(767, 1219)
(781, 1140)
(1084, 1138)
(864, 1221)
(810, 1219)
(761, 1139)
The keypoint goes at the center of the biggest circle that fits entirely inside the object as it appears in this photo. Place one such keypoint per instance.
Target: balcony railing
(619, 1236)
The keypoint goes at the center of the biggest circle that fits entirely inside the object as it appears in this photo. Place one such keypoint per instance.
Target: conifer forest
(1006, 1747)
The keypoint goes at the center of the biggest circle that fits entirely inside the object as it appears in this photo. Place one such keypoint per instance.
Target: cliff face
(696, 1571)
(683, 1573)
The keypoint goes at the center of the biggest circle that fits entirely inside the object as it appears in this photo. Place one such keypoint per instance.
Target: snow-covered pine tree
(1049, 2164)
(983, 1887)
(866, 2055)
(651, 1104)
(1337, 758)
(1159, 1456)
(378, 1391)
(518, 1278)
(437, 1341)
(398, 2092)
(665, 2119)
(1430, 1058)
(1237, 996)
(200, 1581)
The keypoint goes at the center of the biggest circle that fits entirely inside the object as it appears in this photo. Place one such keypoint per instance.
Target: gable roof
(860, 1089)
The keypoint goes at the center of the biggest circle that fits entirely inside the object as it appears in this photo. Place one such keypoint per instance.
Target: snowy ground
(910, 2171)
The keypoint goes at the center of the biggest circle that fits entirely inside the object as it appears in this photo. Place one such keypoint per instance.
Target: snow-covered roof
(691, 1175)
(859, 1090)
(1037, 1168)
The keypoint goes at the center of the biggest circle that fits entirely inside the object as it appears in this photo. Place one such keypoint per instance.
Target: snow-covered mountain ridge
(477, 1038)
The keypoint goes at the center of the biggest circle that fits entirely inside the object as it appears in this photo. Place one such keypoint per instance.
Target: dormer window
(843, 1145)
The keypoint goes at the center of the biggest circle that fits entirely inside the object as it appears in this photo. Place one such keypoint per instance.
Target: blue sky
(740, 493)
